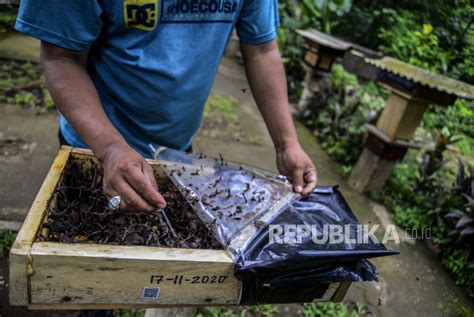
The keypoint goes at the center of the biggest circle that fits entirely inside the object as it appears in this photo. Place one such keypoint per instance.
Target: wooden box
(47, 275)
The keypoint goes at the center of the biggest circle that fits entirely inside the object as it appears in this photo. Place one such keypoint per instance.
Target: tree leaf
(467, 231)
(455, 214)
(454, 232)
(463, 222)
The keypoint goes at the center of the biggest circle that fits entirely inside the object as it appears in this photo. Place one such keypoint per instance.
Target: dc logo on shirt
(141, 14)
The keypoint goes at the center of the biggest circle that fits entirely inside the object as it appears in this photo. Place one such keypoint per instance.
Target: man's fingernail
(298, 189)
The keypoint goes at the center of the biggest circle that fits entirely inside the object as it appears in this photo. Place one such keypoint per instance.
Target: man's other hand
(294, 163)
(128, 175)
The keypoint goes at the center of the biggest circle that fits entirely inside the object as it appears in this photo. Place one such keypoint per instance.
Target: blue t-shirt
(152, 61)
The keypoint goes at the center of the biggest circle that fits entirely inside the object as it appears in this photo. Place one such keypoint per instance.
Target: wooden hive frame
(48, 275)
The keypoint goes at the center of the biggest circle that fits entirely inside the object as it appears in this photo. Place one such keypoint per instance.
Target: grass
(129, 313)
(21, 83)
(223, 104)
(308, 310)
(239, 311)
(333, 310)
(222, 122)
(7, 20)
(7, 238)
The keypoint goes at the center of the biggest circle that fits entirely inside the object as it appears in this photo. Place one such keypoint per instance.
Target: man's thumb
(297, 180)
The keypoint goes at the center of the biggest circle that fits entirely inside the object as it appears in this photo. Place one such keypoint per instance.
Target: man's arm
(126, 173)
(267, 80)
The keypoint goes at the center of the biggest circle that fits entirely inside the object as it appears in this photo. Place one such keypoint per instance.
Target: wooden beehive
(47, 275)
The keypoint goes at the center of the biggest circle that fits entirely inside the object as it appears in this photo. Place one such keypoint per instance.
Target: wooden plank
(130, 252)
(18, 286)
(78, 153)
(370, 172)
(19, 258)
(116, 276)
(400, 143)
(311, 58)
(341, 292)
(411, 120)
(401, 117)
(66, 306)
(392, 114)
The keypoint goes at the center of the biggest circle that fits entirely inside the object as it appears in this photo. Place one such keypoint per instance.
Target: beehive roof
(324, 39)
(423, 77)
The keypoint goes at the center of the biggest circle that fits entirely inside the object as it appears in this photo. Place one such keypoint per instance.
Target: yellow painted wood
(341, 292)
(18, 285)
(401, 117)
(311, 58)
(117, 275)
(46, 275)
(370, 172)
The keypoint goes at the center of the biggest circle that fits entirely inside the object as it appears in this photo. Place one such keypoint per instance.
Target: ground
(411, 284)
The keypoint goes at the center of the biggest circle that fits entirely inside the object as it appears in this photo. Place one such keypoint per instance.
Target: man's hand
(295, 164)
(267, 80)
(127, 174)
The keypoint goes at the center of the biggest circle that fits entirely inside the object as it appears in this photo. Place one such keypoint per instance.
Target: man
(127, 73)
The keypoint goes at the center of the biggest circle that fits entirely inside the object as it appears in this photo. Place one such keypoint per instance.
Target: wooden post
(377, 160)
(412, 90)
(320, 52)
(310, 87)
(401, 116)
(388, 142)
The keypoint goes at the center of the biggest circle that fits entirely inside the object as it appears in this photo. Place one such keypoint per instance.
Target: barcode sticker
(151, 292)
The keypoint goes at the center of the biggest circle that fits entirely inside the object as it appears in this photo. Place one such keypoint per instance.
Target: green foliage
(21, 83)
(333, 310)
(458, 255)
(7, 238)
(7, 20)
(326, 309)
(323, 14)
(296, 14)
(434, 34)
(311, 13)
(338, 114)
(457, 119)
(417, 45)
(329, 9)
(216, 312)
(24, 98)
(461, 269)
(261, 310)
(464, 68)
(257, 310)
(291, 45)
(426, 192)
(129, 313)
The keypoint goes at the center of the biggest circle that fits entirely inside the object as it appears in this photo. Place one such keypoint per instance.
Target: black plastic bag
(278, 272)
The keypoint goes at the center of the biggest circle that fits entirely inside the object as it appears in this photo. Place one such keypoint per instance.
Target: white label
(151, 292)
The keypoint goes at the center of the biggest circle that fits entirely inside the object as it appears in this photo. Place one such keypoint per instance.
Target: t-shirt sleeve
(258, 21)
(70, 24)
